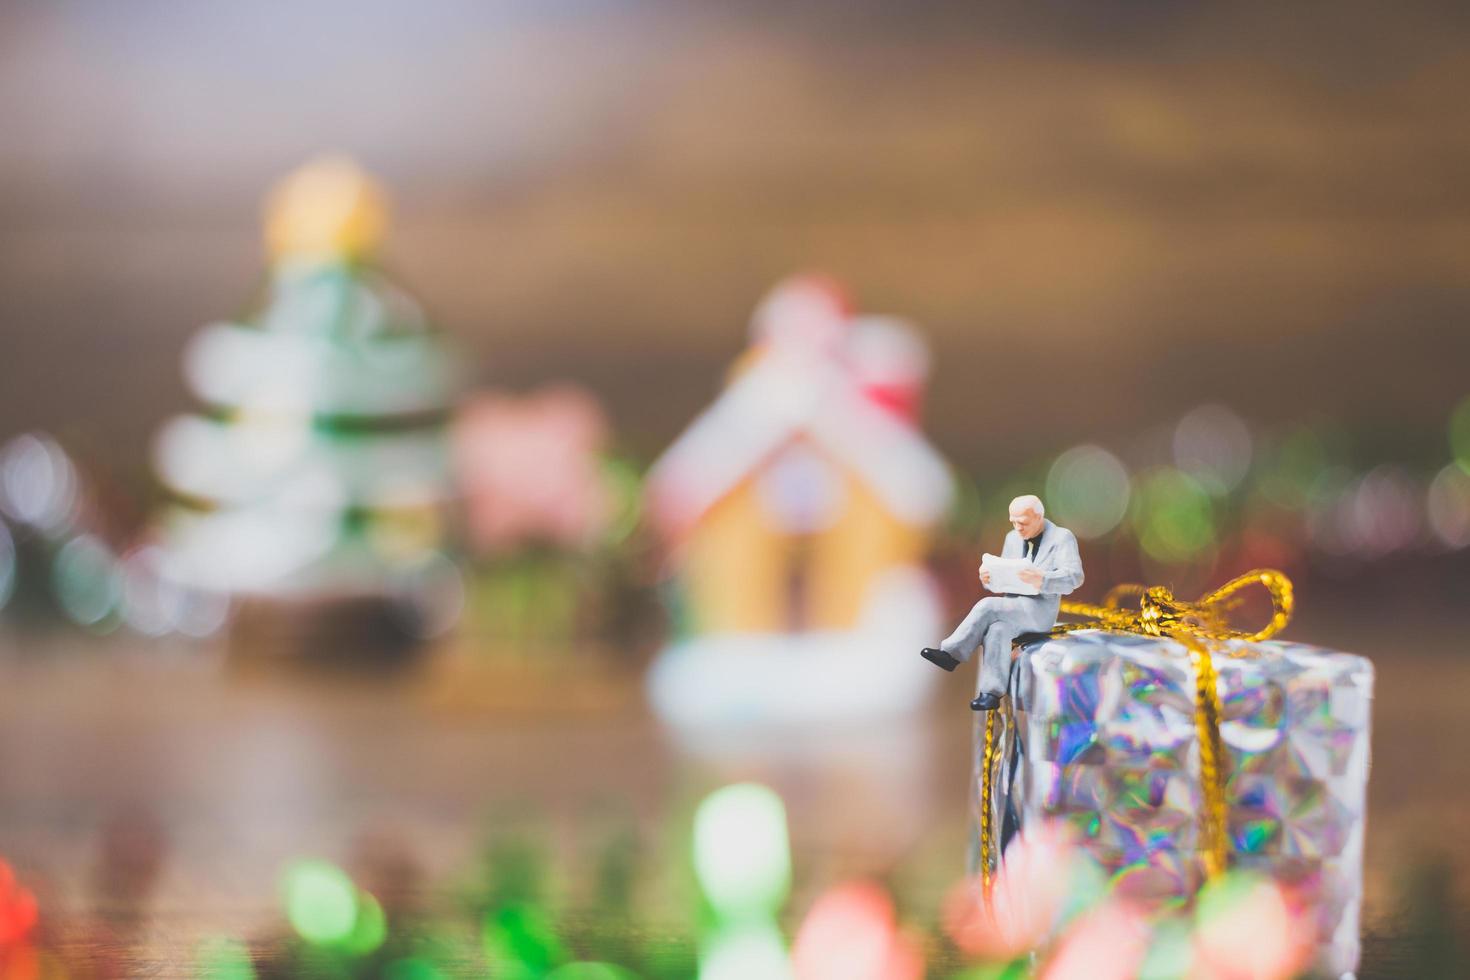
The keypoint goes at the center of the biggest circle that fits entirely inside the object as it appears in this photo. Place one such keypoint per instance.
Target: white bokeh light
(1382, 512)
(1448, 506)
(1213, 445)
(1087, 490)
(38, 484)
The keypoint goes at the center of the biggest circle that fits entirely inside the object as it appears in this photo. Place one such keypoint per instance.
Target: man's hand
(1031, 576)
(984, 577)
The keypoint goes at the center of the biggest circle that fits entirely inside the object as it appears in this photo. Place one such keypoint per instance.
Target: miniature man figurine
(997, 620)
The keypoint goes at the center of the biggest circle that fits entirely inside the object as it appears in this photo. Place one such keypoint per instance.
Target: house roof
(789, 392)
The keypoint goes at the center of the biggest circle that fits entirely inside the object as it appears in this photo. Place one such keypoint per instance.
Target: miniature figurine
(1038, 565)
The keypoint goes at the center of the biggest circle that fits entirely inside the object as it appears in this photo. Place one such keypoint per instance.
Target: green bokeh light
(369, 928)
(587, 970)
(1087, 490)
(1170, 952)
(966, 517)
(86, 579)
(1087, 885)
(742, 857)
(412, 968)
(520, 941)
(222, 958)
(7, 566)
(626, 485)
(1460, 434)
(1225, 894)
(321, 901)
(1291, 469)
(1173, 515)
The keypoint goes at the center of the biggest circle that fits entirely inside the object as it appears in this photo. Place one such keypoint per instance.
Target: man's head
(1028, 517)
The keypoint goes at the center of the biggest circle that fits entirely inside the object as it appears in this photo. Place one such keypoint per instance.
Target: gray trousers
(992, 624)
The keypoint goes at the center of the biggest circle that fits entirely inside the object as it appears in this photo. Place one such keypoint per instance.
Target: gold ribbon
(987, 832)
(1158, 613)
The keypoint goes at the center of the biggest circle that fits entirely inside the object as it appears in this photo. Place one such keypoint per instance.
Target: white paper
(1005, 575)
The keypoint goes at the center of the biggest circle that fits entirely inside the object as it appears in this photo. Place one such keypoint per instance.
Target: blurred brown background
(1167, 204)
(1176, 203)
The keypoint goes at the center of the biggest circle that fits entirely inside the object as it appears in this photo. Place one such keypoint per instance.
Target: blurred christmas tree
(316, 477)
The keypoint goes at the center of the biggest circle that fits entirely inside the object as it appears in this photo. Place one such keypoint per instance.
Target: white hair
(1029, 501)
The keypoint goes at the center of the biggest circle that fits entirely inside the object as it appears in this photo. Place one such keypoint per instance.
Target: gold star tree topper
(327, 210)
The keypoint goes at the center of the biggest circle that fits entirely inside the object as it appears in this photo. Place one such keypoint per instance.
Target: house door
(799, 583)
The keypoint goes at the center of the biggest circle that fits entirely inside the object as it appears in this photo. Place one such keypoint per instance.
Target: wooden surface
(208, 777)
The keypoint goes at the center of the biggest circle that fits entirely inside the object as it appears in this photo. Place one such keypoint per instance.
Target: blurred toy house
(798, 509)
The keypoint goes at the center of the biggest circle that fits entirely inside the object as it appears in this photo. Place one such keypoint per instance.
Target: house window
(802, 492)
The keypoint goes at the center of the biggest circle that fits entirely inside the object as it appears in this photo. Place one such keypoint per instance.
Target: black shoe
(939, 658)
(985, 702)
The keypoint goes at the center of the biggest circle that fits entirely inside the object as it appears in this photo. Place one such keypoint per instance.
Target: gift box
(1103, 729)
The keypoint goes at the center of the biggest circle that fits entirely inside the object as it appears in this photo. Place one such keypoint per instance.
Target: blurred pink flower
(850, 934)
(1027, 896)
(529, 469)
(1247, 928)
(1107, 943)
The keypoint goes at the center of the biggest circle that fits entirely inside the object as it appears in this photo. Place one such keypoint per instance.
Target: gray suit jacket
(1058, 559)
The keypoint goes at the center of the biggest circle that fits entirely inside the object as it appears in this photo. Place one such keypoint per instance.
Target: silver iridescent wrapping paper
(1099, 731)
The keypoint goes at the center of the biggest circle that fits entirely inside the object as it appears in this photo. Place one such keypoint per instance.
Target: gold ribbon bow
(1158, 613)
